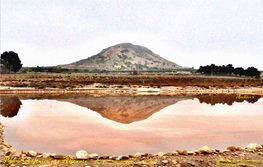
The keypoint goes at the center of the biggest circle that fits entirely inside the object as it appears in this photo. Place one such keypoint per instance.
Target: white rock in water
(253, 146)
(32, 153)
(82, 154)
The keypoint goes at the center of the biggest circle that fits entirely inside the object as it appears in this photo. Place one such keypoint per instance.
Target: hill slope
(124, 56)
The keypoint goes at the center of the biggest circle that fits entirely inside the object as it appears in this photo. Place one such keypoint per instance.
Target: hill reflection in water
(64, 125)
(122, 109)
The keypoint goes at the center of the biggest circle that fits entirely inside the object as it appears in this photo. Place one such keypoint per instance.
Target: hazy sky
(189, 33)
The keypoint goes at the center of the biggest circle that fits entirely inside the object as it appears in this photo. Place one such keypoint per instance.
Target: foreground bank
(251, 155)
(136, 90)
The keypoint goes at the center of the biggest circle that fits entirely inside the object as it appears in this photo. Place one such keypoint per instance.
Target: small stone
(58, 156)
(191, 163)
(242, 155)
(205, 150)
(104, 156)
(16, 154)
(179, 152)
(175, 153)
(118, 158)
(253, 147)
(145, 154)
(160, 154)
(174, 162)
(93, 156)
(190, 153)
(131, 156)
(8, 153)
(82, 154)
(217, 150)
(168, 154)
(239, 149)
(32, 153)
(209, 163)
(260, 153)
(24, 152)
(164, 157)
(185, 152)
(138, 155)
(231, 148)
(46, 155)
(110, 161)
(71, 157)
(23, 156)
(178, 165)
(125, 157)
(6, 145)
(114, 157)
(165, 161)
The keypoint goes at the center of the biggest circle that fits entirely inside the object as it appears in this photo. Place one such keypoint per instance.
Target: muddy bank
(136, 90)
(251, 155)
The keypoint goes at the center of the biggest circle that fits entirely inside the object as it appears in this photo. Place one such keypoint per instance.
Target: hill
(125, 57)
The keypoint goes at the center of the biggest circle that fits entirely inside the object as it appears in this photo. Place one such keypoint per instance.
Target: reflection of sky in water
(64, 128)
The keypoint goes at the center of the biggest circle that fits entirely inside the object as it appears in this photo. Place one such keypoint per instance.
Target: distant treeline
(228, 70)
(54, 69)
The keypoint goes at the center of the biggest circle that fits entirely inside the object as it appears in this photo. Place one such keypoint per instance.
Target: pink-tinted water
(64, 128)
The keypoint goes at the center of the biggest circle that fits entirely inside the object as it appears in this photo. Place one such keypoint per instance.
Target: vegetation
(59, 80)
(228, 70)
(10, 62)
(54, 69)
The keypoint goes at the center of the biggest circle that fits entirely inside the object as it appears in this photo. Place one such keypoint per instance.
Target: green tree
(239, 71)
(252, 71)
(230, 68)
(10, 62)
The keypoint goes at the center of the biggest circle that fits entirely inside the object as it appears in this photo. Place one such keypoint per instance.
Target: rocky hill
(125, 57)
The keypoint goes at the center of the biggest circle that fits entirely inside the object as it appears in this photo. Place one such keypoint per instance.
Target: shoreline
(251, 155)
(135, 90)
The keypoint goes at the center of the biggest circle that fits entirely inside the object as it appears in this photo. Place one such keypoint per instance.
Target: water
(124, 125)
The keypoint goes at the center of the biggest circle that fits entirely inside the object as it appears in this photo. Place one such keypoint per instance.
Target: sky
(188, 32)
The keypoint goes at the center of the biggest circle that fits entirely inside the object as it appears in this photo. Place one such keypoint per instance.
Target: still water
(121, 125)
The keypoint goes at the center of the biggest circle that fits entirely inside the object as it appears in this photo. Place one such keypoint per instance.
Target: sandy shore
(136, 90)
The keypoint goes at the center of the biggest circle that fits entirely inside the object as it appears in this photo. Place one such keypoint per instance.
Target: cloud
(177, 30)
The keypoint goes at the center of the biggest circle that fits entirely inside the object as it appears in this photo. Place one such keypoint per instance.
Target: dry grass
(81, 79)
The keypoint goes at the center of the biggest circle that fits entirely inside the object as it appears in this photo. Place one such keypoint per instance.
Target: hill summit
(125, 57)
